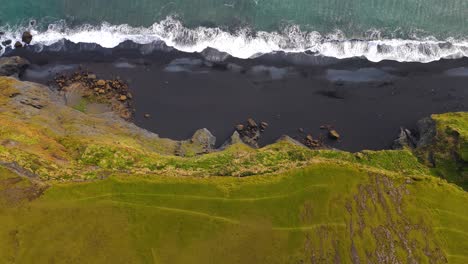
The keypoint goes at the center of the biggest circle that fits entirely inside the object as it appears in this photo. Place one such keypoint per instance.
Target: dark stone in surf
(6, 42)
(27, 37)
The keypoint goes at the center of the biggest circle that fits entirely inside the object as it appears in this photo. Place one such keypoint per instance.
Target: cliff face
(302, 206)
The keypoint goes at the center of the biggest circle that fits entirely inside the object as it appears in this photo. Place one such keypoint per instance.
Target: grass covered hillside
(82, 188)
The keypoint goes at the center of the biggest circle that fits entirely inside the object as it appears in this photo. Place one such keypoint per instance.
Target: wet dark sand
(366, 102)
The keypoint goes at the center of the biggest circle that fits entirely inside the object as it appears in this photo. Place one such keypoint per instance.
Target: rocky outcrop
(427, 131)
(12, 66)
(441, 143)
(82, 88)
(234, 139)
(405, 139)
(251, 131)
(204, 138)
(201, 142)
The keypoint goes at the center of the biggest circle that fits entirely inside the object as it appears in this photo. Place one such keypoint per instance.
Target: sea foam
(246, 44)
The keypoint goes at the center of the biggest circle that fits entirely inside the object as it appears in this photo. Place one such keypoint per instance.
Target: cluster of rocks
(250, 132)
(26, 39)
(114, 92)
(319, 142)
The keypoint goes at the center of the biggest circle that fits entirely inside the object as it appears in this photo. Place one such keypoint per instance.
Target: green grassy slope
(91, 189)
(325, 213)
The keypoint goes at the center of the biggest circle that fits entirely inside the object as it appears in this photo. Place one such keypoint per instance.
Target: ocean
(399, 30)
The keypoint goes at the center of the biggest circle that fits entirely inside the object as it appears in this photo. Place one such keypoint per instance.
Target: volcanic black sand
(365, 102)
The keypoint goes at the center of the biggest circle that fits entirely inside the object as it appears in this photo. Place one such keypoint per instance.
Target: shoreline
(365, 102)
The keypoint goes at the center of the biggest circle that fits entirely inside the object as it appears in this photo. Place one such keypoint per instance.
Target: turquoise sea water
(344, 19)
(439, 18)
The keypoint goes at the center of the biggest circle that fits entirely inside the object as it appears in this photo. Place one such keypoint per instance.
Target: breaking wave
(245, 43)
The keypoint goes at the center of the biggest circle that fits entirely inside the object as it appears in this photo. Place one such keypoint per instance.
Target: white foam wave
(246, 44)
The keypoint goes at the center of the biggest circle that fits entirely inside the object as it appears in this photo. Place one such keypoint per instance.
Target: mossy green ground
(96, 190)
(318, 212)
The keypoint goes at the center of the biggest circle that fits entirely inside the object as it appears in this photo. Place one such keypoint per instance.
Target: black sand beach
(365, 102)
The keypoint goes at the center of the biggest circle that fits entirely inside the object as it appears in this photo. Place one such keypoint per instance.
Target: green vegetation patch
(323, 212)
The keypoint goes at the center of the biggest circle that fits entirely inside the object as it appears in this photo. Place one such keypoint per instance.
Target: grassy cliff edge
(80, 188)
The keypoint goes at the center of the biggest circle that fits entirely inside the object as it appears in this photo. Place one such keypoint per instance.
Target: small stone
(92, 76)
(96, 90)
(101, 82)
(102, 91)
(27, 37)
(123, 98)
(18, 45)
(240, 127)
(263, 125)
(333, 134)
(6, 42)
(147, 115)
(301, 130)
(251, 122)
(129, 95)
(2, 33)
(315, 143)
(309, 138)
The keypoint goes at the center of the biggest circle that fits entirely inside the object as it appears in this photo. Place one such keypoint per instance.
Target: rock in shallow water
(27, 37)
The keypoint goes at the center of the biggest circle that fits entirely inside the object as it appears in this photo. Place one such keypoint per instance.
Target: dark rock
(26, 37)
(2, 33)
(427, 132)
(6, 42)
(311, 142)
(405, 139)
(213, 55)
(333, 134)
(263, 125)
(251, 123)
(251, 139)
(240, 127)
(18, 45)
(301, 130)
(12, 66)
